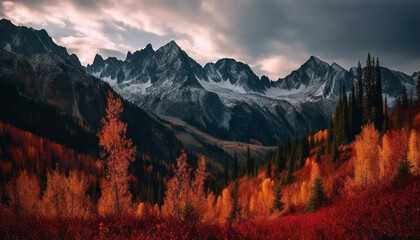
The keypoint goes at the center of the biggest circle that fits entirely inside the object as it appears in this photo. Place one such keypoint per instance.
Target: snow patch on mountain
(213, 86)
(8, 47)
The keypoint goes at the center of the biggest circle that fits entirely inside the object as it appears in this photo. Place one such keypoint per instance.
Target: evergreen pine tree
(318, 154)
(225, 173)
(353, 114)
(411, 97)
(311, 142)
(268, 171)
(279, 162)
(341, 121)
(367, 101)
(249, 163)
(330, 136)
(379, 116)
(404, 169)
(235, 166)
(359, 98)
(161, 191)
(302, 152)
(318, 198)
(385, 124)
(236, 209)
(287, 178)
(334, 154)
(404, 99)
(277, 203)
(396, 123)
(418, 88)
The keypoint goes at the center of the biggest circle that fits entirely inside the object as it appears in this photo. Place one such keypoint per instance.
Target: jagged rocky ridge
(227, 99)
(24, 40)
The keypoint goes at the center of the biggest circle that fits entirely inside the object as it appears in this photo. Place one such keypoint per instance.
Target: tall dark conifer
(235, 166)
(353, 122)
(404, 99)
(330, 136)
(385, 124)
(341, 121)
(277, 203)
(249, 163)
(378, 104)
(418, 88)
(359, 97)
(318, 197)
(268, 171)
(368, 84)
(225, 172)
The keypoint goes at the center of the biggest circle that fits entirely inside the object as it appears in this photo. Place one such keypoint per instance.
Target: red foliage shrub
(379, 213)
(375, 214)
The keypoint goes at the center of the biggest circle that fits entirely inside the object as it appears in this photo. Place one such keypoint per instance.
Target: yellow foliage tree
(226, 205)
(65, 196)
(212, 211)
(304, 192)
(366, 167)
(117, 154)
(78, 204)
(414, 150)
(393, 151)
(24, 193)
(54, 199)
(178, 188)
(199, 197)
(185, 197)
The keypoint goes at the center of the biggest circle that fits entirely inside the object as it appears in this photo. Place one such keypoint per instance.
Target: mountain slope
(51, 79)
(316, 79)
(20, 39)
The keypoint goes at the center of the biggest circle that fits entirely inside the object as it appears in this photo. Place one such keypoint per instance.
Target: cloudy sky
(273, 36)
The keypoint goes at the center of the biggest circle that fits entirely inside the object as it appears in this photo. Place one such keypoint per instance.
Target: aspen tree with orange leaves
(178, 189)
(117, 154)
(197, 185)
(414, 150)
(366, 166)
(393, 151)
(24, 193)
(185, 197)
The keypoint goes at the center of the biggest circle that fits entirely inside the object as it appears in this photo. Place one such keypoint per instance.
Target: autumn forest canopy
(359, 178)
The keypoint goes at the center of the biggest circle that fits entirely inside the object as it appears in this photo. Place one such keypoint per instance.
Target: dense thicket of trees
(365, 104)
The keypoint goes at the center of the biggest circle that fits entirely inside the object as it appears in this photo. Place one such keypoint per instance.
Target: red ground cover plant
(392, 213)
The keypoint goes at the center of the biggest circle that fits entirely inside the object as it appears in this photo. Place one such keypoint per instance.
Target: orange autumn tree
(366, 162)
(414, 150)
(117, 154)
(197, 187)
(393, 152)
(24, 193)
(178, 187)
(185, 196)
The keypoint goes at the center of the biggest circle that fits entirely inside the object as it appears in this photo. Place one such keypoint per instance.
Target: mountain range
(225, 99)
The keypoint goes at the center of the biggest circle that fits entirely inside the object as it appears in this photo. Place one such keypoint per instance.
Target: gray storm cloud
(273, 37)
